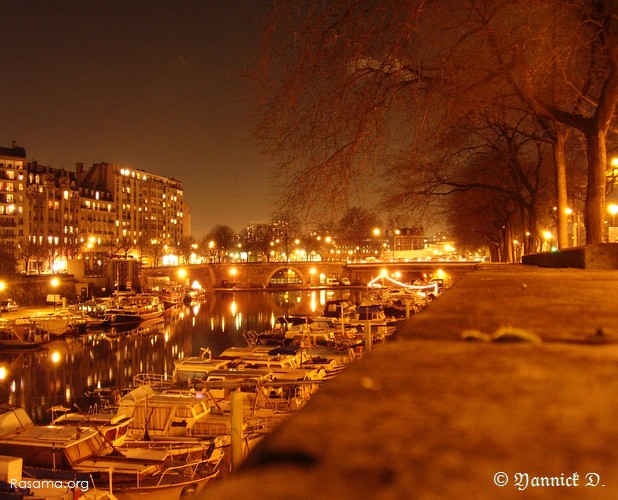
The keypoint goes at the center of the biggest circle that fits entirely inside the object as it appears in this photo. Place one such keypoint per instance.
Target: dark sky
(154, 85)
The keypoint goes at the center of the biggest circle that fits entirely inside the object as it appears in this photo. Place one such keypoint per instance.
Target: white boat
(13, 419)
(26, 336)
(112, 427)
(193, 368)
(79, 454)
(182, 413)
(59, 322)
(344, 313)
(264, 357)
(134, 308)
(94, 312)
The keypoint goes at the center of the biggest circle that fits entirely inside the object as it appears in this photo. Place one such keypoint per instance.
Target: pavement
(27, 311)
(529, 409)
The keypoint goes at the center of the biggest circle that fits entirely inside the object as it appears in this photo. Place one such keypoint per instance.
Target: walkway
(429, 415)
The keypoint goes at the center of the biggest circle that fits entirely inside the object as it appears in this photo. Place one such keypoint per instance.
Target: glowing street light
(54, 284)
(396, 233)
(547, 236)
(613, 210)
(2, 289)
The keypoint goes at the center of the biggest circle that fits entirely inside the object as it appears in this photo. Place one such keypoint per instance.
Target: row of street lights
(547, 236)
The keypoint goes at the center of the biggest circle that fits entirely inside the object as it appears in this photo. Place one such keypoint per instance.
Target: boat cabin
(53, 447)
(13, 419)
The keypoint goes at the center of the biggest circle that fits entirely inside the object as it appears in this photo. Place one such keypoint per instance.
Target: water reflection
(66, 370)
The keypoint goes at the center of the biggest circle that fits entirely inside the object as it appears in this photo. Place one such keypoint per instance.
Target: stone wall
(599, 256)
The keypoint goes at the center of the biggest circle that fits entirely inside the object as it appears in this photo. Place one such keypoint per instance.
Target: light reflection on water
(68, 368)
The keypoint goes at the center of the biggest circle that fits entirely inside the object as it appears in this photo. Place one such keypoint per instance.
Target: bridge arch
(286, 275)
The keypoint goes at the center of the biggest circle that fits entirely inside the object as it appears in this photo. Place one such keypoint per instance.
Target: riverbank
(429, 415)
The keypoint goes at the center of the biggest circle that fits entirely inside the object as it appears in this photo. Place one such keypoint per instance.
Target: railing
(155, 379)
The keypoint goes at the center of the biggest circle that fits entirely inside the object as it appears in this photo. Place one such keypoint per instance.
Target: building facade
(50, 216)
(52, 219)
(131, 209)
(12, 197)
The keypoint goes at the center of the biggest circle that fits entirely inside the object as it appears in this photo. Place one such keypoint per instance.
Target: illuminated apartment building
(12, 196)
(52, 218)
(49, 217)
(143, 211)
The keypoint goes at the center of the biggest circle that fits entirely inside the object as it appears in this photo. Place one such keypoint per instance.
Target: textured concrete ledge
(600, 256)
(428, 415)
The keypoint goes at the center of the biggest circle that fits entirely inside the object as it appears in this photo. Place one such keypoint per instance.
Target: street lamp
(377, 232)
(547, 236)
(396, 233)
(54, 284)
(613, 210)
(2, 289)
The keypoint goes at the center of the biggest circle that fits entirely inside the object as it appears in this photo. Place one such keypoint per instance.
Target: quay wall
(431, 415)
(599, 256)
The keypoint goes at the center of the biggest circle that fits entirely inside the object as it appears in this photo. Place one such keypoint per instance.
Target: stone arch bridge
(258, 275)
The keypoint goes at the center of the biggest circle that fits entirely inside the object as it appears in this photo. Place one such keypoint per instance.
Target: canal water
(70, 370)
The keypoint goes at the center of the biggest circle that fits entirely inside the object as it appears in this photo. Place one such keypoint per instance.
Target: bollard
(237, 453)
(368, 336)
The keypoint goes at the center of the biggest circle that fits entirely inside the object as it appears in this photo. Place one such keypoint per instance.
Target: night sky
(153, 85)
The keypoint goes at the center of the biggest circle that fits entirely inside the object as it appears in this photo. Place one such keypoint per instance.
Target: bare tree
(51, 252)
(27, 250)
(356, 229)
(70, 247)
(120, 247)
(502, 154)
(581, 37)
(155, 251)
(185, 248)
(347, 84)
(223, 239)
(259, 240)
(285, 227)
(8, 263)
(481, 220)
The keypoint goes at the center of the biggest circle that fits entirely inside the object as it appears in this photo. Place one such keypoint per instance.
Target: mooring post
(237, 445)
(368, 336)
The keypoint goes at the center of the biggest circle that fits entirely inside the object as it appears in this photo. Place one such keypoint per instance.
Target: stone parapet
(599, 256)
(430, 415)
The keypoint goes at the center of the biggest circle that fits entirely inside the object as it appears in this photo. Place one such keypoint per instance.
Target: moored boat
(134, 308)
(62, 453)
(112, 427)
(26, 336)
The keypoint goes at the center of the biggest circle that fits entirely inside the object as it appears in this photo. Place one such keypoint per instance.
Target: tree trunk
(561, 188)
(531, 236)
(595, 189)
